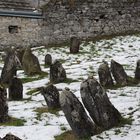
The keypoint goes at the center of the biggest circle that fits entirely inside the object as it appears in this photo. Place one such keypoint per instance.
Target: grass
(14, 122)
(69, 80)
(125, 121)
(32, 91)
(34, 78)
(69, 136)
(41, 110)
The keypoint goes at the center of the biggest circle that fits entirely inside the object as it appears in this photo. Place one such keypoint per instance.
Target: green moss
(14, 122)
(32, 91)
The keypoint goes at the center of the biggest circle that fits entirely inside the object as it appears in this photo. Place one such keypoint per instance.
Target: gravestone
(96, 101)
(74, 45)
(105, 77)
(30, 63)
(51, 96)
(10, 137)
(57, 72)
(118, 73)
(15, 89)
(3, 105)
(11, 64)
(48, 60)
(76, 115)
(137, 72)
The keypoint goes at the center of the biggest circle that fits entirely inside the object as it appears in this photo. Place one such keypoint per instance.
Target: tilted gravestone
(20, 53)
(105, 77)
(96, 101)
(3, 105)
(48, 60)
(51, 96)
(11, 65)
(137, 72)
(74, 45)
(30, 63)
(57, 72)
(15, 89)
(118, 73)
(76, 115)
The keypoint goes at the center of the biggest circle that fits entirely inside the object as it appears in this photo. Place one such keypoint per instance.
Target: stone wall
(28, 32)
(89, 18)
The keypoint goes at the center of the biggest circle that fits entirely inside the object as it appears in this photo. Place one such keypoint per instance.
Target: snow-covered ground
(125, 50)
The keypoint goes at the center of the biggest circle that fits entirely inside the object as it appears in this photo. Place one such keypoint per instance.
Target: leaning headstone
(3, 105)
(105, 75)
(51, 96)
(119, 74)
(96, 101)
(48, 60)
(30, 63)
(11, 65)
(57, 72)
(10, 137)
(15, 89)
(76, 115)
(137, 72)
(74, 45)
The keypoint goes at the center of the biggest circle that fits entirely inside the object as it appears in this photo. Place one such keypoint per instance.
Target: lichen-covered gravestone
(30, 63)
(105, 75)
(137, 72)
(57, 72)
(48, 60)
(119, 74)
(11, 65)
(15, 89)
(76, 115)
(96, 101)
(51, 96)
(3, 105)
(74, 45)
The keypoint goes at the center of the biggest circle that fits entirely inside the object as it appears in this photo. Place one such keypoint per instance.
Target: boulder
(105, 77)
(11, 64)
(57, 72)
(30, 63)
(15, 89)
(48, 60)
(96, 101)
(76, 115)
(3, 105)
(118, 73)
(137, 72)
(51, 96)
(74, 45)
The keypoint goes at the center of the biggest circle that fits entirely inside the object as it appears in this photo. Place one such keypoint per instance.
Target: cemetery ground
(31, 120)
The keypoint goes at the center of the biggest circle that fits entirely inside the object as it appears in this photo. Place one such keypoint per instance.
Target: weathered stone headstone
(15, 89)
(20, 53)
(74, 45)
(51, 96)
(118, 73)
(3, 105)
(57, 72)
(137, 72)
(11, 65)
(105, 75)
(30, 63)
(48, 60)
(10, 137)
(96, 101)
(76, 115)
